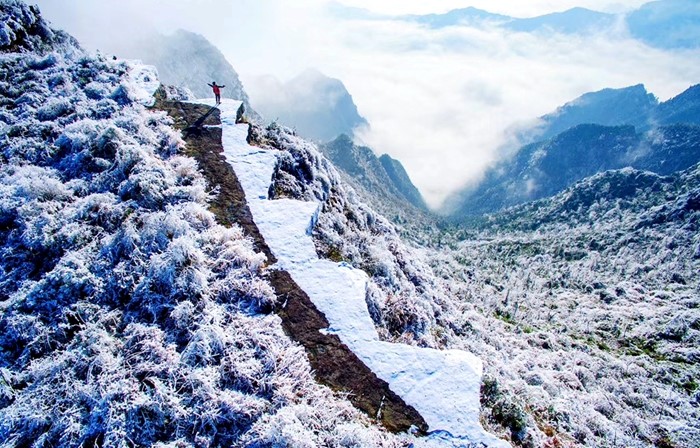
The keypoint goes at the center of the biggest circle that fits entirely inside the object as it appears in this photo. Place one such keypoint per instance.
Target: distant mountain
(670, 24)
(342, 11)
(684, 108)
(189, 60)
(599, 131)
(609, 107)
(544, 169)
(464, 16)
(576, 20)
(618, 107)
(572, 21)
(319, 107)
(398, 175)
(382, 182)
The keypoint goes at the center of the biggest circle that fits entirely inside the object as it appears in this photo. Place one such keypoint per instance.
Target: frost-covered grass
(128, 316)
(587, 317)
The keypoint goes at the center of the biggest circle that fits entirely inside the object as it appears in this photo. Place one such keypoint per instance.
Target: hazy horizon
(439, 100)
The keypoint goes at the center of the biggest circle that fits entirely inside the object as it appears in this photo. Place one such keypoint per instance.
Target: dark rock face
(383, 177)
(317, 106)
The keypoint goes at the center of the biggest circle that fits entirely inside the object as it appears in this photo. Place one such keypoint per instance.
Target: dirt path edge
(334, 364)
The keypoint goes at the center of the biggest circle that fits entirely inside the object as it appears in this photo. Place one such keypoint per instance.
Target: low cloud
(442, 101)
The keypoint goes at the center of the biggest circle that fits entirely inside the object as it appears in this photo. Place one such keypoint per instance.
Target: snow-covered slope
(587, 306)
(443, 385)
(128, 315)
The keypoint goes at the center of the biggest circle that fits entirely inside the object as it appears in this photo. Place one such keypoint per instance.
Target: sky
(442, 102)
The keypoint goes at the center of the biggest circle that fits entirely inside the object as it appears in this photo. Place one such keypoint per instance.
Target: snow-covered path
(442, 385)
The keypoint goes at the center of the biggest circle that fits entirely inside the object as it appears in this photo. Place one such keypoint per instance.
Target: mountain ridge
(677, 18)
(317, 106)
(608, 129)
(188, 60)
(380, 181)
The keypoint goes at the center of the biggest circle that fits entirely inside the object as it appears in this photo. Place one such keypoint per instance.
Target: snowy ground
(442, 385)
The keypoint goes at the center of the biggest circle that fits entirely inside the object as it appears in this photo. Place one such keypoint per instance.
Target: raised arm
(222, 87)
(210, 85)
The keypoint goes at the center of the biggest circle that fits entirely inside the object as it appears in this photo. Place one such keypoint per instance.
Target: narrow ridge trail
(435, 392)
(334, 364)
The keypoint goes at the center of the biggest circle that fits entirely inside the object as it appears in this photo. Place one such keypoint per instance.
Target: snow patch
(143, 82)
(442, 385)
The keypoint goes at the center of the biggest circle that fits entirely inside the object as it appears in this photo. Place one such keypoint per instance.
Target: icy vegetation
(403, 296)
(442, 385)
(22, 29)
(128, 315)
(586, 307)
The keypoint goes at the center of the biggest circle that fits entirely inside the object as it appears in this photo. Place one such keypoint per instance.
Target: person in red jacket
(217, 91)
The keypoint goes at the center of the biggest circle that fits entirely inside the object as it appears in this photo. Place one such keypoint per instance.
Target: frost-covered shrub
(54, 109)
(23, 29)
(128, 315)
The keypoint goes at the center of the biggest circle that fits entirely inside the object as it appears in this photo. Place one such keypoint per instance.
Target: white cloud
(440, 100)
(437, 100)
